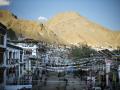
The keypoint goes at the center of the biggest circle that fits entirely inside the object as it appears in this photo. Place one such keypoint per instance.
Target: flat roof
(14, 46)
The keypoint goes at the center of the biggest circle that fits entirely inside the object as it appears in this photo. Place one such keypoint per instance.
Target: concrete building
(30, 55)
(3, 37)
(57, 55)
(15, 64)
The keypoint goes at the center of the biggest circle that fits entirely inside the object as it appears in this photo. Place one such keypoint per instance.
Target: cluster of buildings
(16, 60)
(2, 55)
(19, 60)
(11, 60)
(57, 55)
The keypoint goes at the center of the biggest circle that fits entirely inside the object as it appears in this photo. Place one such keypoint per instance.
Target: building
(30, 54)
(57, 55)
(15, 64)
(3, 37)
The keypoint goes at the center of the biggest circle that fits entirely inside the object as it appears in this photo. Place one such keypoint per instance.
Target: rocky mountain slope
(73, 28)
(65, 28)
(27, 28)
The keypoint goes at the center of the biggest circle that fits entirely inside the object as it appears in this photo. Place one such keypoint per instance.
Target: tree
(11, 34)
(83, 51)
(117, 51)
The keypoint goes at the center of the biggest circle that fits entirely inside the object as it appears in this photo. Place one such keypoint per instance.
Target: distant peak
(65, 16)
(70, 14)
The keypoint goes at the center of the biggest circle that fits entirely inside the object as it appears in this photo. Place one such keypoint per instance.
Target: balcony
(12, 62)
(30, 57)
(26, 56)
(12, 80)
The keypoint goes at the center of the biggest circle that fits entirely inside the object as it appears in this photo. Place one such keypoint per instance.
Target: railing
(12, 61)
(29, 56)
(11, 81)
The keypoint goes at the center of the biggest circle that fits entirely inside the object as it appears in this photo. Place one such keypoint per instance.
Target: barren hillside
(73, 29)
(65, 28)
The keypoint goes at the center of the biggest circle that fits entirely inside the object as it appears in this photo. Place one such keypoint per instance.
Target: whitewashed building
(3, 36)
(14, 63)
(30, 55)
(57, 55)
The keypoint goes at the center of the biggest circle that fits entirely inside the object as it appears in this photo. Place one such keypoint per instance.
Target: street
(68, 82)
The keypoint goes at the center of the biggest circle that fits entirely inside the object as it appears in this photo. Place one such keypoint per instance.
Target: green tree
(11, 34)
(117, 51)
(83, 51)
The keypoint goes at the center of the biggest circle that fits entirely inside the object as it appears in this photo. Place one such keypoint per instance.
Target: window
(21, 53)
(13, 55)
(1, 57)
(1, 39)
(28, 52)
(1, 75)
(20, 69)
(10, 55)
(20, 57)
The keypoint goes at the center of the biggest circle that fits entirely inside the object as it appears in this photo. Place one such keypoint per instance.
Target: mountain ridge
(64, 28)
(84, 28)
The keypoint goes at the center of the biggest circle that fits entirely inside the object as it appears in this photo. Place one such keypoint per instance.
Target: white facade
(14, 63)
(30, 51)
(30, 47)
(3, 36)
(57, 55)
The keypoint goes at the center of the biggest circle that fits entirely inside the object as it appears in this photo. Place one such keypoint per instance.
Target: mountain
(73, 29)
(65, 28)
(27, 28)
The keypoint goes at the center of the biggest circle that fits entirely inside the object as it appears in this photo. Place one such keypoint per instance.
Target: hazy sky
(104, 12)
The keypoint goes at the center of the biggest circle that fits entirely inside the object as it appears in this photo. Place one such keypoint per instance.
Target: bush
(117, 51)
(83, 51)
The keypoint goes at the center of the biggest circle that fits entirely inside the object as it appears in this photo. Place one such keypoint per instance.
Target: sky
(103, 12)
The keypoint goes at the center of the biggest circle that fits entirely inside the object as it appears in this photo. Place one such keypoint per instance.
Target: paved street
(63, 83)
